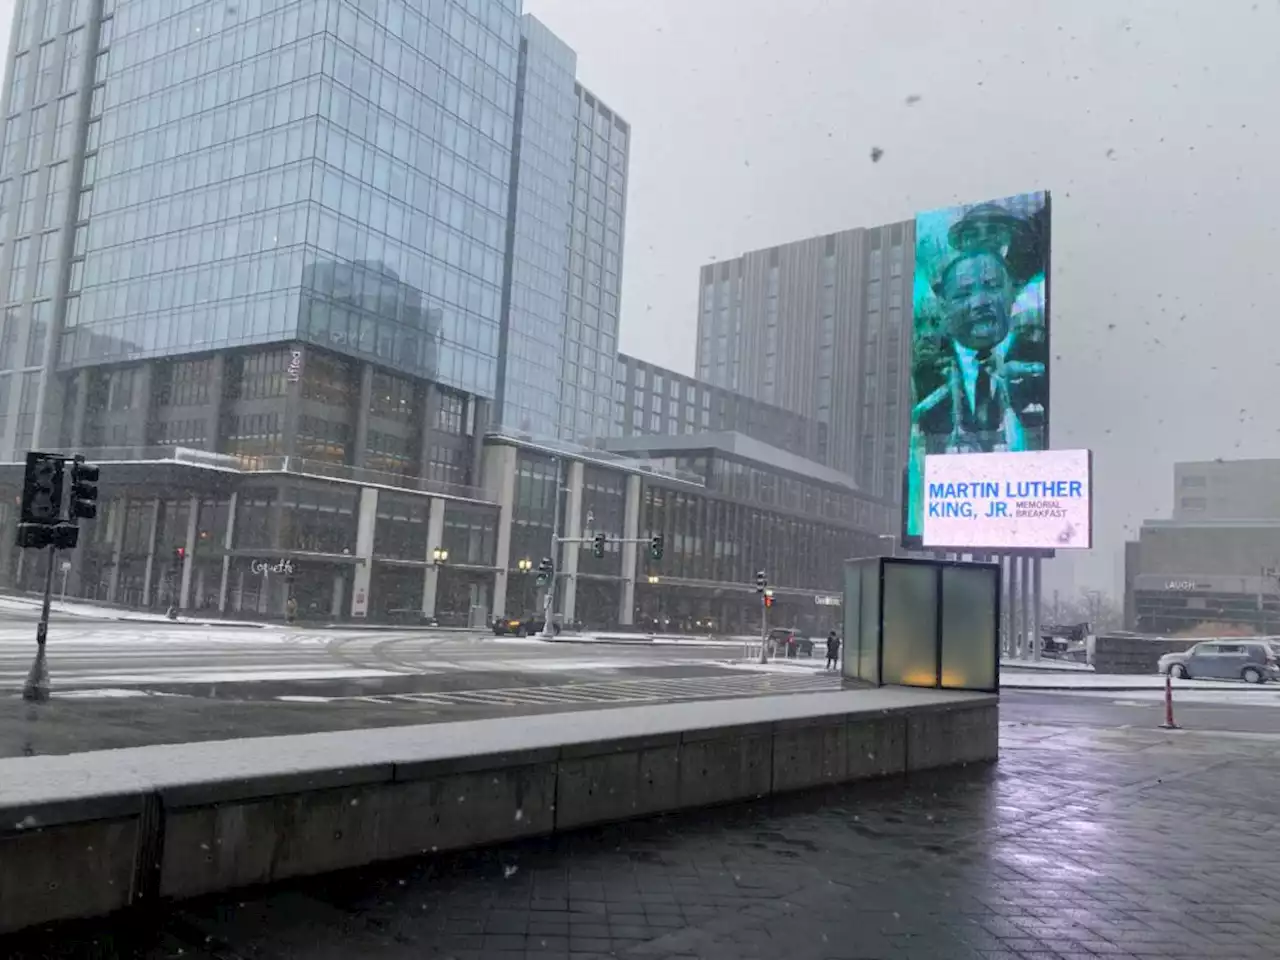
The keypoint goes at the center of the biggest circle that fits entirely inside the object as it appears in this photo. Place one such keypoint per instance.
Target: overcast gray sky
(1148, 119)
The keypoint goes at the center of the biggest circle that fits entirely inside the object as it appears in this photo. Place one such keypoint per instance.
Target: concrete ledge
(87, 834)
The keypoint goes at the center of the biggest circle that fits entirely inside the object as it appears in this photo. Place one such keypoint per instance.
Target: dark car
(786, 642)
(517, 627)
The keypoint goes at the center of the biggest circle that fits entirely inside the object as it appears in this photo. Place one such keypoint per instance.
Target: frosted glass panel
(969, 639)
(869, 647)
(910, 624)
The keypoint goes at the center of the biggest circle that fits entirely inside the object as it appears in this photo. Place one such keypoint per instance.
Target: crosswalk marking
(615, 691)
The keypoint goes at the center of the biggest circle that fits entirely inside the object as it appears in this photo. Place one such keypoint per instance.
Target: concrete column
(1013, 607)
(429, 409)
(81, 409)
(480, 424)
(217, 390)
(140, 413)
(189, 552)
(1024, 609)
(364, 402)
(367, 520)
(479, 604)
(435, 538)
(1035, 607)
(570, 552)
(335, 602)
(499, 482)
(116, 513)
(151, 552)
(630, 531)
(228, 540)
(293, 402)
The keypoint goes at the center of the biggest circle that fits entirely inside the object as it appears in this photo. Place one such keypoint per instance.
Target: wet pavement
(1082, 842)
(71, 723)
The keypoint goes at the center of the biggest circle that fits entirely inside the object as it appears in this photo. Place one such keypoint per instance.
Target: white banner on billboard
(1039, 500)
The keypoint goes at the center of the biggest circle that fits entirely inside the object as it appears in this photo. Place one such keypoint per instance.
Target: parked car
(786, 642)
(521, 627)
(1254, 661)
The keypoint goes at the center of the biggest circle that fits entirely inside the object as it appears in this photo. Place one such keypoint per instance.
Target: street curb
(1127, 689)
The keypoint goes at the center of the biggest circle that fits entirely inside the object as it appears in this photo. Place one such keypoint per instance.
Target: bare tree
(1093, 607)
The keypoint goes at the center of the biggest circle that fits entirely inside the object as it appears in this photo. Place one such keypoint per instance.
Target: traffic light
(597, 547)
(761, 581)
(544, 572)
(656, 547)
(42, 489)
(768, 599)
(41, 503)
(84, 490)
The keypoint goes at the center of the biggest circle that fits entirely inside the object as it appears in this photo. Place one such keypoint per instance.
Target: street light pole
(548, 601)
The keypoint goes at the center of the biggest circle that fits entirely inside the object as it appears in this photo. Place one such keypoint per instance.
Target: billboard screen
(980, 344)
(1014, 501)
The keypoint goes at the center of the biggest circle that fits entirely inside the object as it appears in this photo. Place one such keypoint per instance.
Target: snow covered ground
(75, 608)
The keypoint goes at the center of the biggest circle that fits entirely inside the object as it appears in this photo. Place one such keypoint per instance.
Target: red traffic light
(768, 601)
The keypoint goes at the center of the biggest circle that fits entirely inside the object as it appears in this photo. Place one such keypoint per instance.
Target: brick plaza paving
(1119, 843)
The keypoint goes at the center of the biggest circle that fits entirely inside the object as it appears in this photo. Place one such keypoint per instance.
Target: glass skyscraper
(532, 331)
(568, 215)
(602, 151)
(385, 191)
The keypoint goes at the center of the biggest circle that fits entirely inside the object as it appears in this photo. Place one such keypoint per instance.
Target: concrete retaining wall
(1135, 655)
(68, 851)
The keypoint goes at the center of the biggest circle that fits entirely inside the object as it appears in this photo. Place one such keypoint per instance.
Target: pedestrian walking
(290, 610)
(833, 651)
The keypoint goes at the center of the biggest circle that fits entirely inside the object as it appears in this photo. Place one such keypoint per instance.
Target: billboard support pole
(1015, 564)
(1036, 641)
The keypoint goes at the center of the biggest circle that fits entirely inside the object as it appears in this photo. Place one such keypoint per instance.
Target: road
(1096, 835)
(133, 684)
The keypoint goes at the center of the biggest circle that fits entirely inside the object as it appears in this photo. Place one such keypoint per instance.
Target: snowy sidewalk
(91, 611)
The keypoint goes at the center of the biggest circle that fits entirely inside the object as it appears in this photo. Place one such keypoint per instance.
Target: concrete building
(821, 327)
(650, 400)
(1218, 559)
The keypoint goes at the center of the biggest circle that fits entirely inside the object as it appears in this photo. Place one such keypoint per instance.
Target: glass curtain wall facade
(187, 176)
(42, 163)
(533, 307)
(602, 158)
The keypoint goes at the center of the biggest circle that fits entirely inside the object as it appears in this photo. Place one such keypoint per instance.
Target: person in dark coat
(833, 651)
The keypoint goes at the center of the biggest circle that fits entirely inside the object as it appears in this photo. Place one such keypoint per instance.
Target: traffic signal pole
(764, 627)
(42, 526)
(36, 689)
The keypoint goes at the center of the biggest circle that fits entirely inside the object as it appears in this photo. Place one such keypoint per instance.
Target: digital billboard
(980, 338)
(1009, 501)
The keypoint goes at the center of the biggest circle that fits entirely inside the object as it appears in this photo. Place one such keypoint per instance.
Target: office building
(602, 151)
(564, 250)
(1217, 560)
(280, 312)
(653, 400)
(821, 327)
